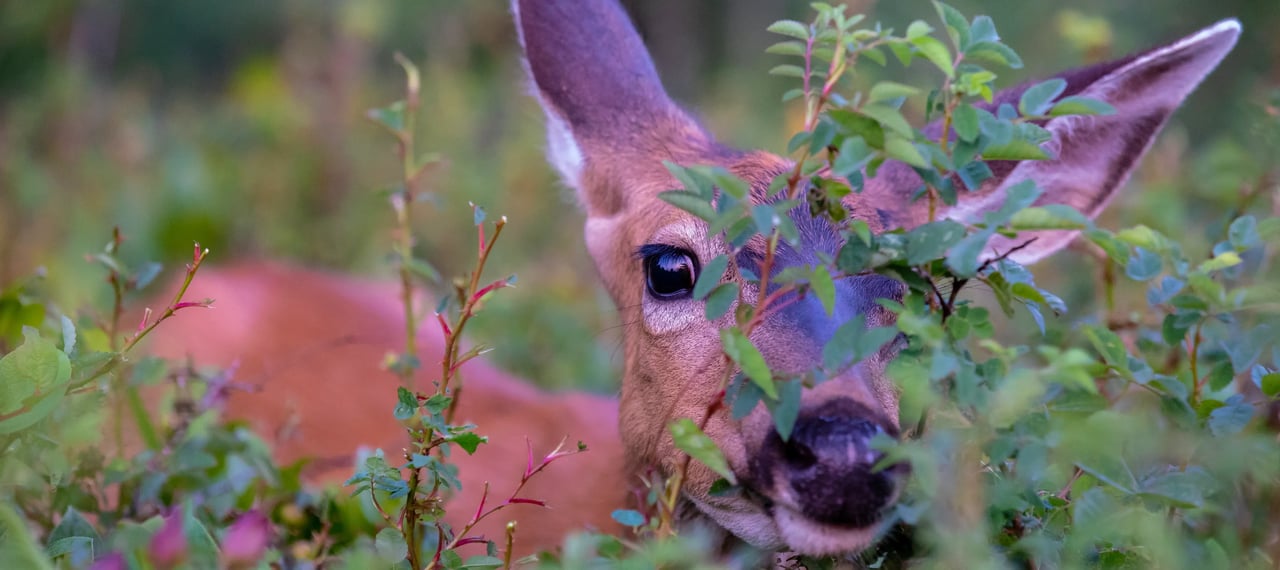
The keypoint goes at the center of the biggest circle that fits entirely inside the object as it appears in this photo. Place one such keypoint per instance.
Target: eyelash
(650, 249)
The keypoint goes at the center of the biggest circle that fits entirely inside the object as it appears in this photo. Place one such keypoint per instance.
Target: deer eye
(669, 272)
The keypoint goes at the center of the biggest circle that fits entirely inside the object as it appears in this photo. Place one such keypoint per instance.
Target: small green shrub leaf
(628, 517)
(790, 28)
(710, 277)
(745, 354)
(1035, 100)
(824, 287)
(689, 438)
(1077, 105)
(720, 300)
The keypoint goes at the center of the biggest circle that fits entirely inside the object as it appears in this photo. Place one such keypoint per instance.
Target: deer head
(610, 126)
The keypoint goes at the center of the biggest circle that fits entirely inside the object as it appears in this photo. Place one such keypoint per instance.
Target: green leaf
(890, 118)
(745, 354)
(628, 517)
(1109, 345)
(824, 287)
(1243, 233)
(1035, 100)
(689, 202)
(202, 549)
(854, 255)
(18, 549)
(790, 28)
(974, 174)
(482, 561)
(689, 438)
(983, 30)
(931, 241)
(787, 70)
(690, 180)
(720, 300)
(765, 218)
(74, 537)
(957, 27)
(963, 258)
(1219, 262)
(1221, 375)
(824, 133)
(1143, 236)
(1143, 265)
(1078, 105)
(856, 124)
(68, 335)
(789, 47)
(1231, 418)
(993, 52)
(936, 52)
(33, 379)
(1183, 489)
(902, 150)
(710, 277)
(391, 117)
(423, 269)
(1017, 197)
(78, 550)
(742, 396)
(886, 90)
(468, 441)
(854, 154)
(727, 182)
(1028, 292)
(390, 545)
(406, 404)
(1018, 148)
(854, 342)
(787, 409)
(918, 29)
(965, 121)
(1050, 217)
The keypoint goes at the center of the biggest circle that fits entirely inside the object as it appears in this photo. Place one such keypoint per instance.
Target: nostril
(798, 455)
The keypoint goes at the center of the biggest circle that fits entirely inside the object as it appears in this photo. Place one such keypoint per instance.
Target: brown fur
(312, 343)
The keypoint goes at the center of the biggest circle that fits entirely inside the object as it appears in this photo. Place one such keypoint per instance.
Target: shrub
(1140, 436)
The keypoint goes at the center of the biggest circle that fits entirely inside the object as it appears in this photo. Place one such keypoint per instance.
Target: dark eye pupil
(670, 274)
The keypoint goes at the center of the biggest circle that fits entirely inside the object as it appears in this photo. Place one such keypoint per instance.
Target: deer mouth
(825, 488)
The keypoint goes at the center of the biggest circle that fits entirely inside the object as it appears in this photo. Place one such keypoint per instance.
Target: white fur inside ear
(562, 149)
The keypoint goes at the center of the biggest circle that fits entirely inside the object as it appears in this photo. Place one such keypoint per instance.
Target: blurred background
(240, 124)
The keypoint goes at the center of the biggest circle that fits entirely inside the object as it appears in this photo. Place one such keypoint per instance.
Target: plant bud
(246, 540)
(113, 561)
(168, 547)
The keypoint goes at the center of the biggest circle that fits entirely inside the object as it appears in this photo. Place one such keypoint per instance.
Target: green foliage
(1136, 436)
(1127, 441)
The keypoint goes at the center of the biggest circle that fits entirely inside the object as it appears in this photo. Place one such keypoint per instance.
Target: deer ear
(1094, 155)
(605, 106)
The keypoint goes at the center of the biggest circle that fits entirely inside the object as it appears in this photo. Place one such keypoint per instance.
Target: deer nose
(829, 463)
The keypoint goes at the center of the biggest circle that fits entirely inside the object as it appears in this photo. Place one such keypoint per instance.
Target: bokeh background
(240, 124)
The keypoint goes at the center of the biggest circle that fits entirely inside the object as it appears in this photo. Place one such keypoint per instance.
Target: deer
(610, 127)
(311, 340)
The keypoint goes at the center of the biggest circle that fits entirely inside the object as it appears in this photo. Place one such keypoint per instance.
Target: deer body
(610, 128)
(307, 346)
